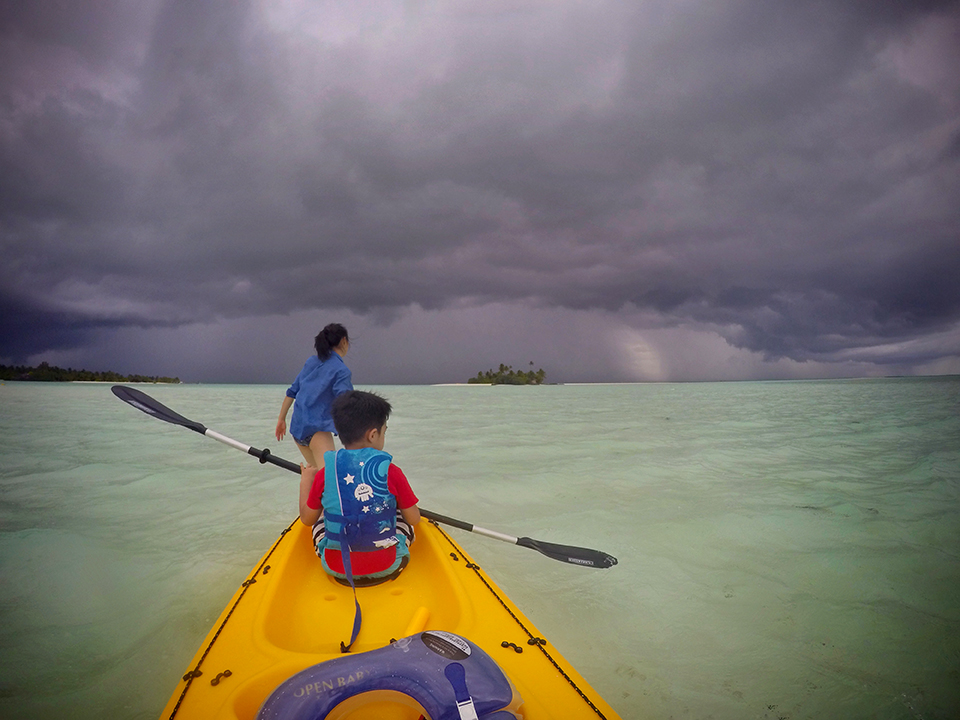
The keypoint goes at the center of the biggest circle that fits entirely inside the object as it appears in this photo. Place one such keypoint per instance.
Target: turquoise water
(787, 549)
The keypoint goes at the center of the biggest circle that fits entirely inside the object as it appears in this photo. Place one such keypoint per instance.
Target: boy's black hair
(356, 411)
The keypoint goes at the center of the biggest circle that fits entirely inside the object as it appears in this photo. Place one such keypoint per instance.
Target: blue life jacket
(359, 514)
(358, 509)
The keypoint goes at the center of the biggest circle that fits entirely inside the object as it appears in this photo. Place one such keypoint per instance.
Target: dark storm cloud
(785, 176)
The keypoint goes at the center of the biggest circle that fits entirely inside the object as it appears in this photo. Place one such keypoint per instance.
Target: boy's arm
(399, 486)
(308, 515)
(411, 514)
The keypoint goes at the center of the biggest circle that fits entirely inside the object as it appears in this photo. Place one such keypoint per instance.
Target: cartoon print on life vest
(385, 529)
(363, 492)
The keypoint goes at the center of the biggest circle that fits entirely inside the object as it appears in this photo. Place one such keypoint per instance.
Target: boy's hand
(307, 472)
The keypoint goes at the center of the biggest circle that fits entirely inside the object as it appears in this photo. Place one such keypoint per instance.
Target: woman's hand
(282, 420)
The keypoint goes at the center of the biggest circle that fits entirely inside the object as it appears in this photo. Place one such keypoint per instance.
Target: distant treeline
(52, 373)
(506, 375)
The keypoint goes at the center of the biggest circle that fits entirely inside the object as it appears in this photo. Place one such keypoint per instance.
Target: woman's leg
(307, 454)
(320, 443)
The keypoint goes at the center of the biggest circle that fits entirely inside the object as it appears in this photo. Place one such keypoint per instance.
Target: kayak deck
(290, 615)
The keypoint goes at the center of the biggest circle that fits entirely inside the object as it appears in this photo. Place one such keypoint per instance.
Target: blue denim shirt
(316, 386)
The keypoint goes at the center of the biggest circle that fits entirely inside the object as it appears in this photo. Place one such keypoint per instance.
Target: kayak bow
(289, 616)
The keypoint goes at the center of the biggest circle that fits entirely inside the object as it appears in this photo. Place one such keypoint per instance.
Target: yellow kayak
(290, 617)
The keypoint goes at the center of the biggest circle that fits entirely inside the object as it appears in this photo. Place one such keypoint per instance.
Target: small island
(506, 375)
(51, 373)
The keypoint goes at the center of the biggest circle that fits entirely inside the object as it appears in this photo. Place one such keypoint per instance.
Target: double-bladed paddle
(565, 553)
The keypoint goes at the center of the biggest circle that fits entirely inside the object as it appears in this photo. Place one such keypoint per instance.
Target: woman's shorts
(303, 442)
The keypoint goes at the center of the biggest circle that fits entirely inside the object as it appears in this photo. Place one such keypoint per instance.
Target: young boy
(355, 497)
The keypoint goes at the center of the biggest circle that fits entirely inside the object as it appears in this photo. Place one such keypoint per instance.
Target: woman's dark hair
(356, 411)
(328, 338)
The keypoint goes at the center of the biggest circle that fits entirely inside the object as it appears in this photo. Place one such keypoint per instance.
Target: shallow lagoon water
(787, 549)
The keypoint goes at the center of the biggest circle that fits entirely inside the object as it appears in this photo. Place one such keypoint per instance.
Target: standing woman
(324, 376)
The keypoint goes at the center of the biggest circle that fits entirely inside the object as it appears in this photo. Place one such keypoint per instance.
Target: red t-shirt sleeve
(397, 484)
(399, 487)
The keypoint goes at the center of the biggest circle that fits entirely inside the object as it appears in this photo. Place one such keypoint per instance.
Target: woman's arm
(282, 422)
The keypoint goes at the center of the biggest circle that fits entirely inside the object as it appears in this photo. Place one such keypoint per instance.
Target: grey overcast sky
(613, 190)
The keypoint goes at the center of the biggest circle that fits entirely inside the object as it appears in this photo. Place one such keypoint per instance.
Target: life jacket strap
(357, 617)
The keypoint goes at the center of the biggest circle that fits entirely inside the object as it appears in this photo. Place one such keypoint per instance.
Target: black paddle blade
(570, 554)
(142, 401)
